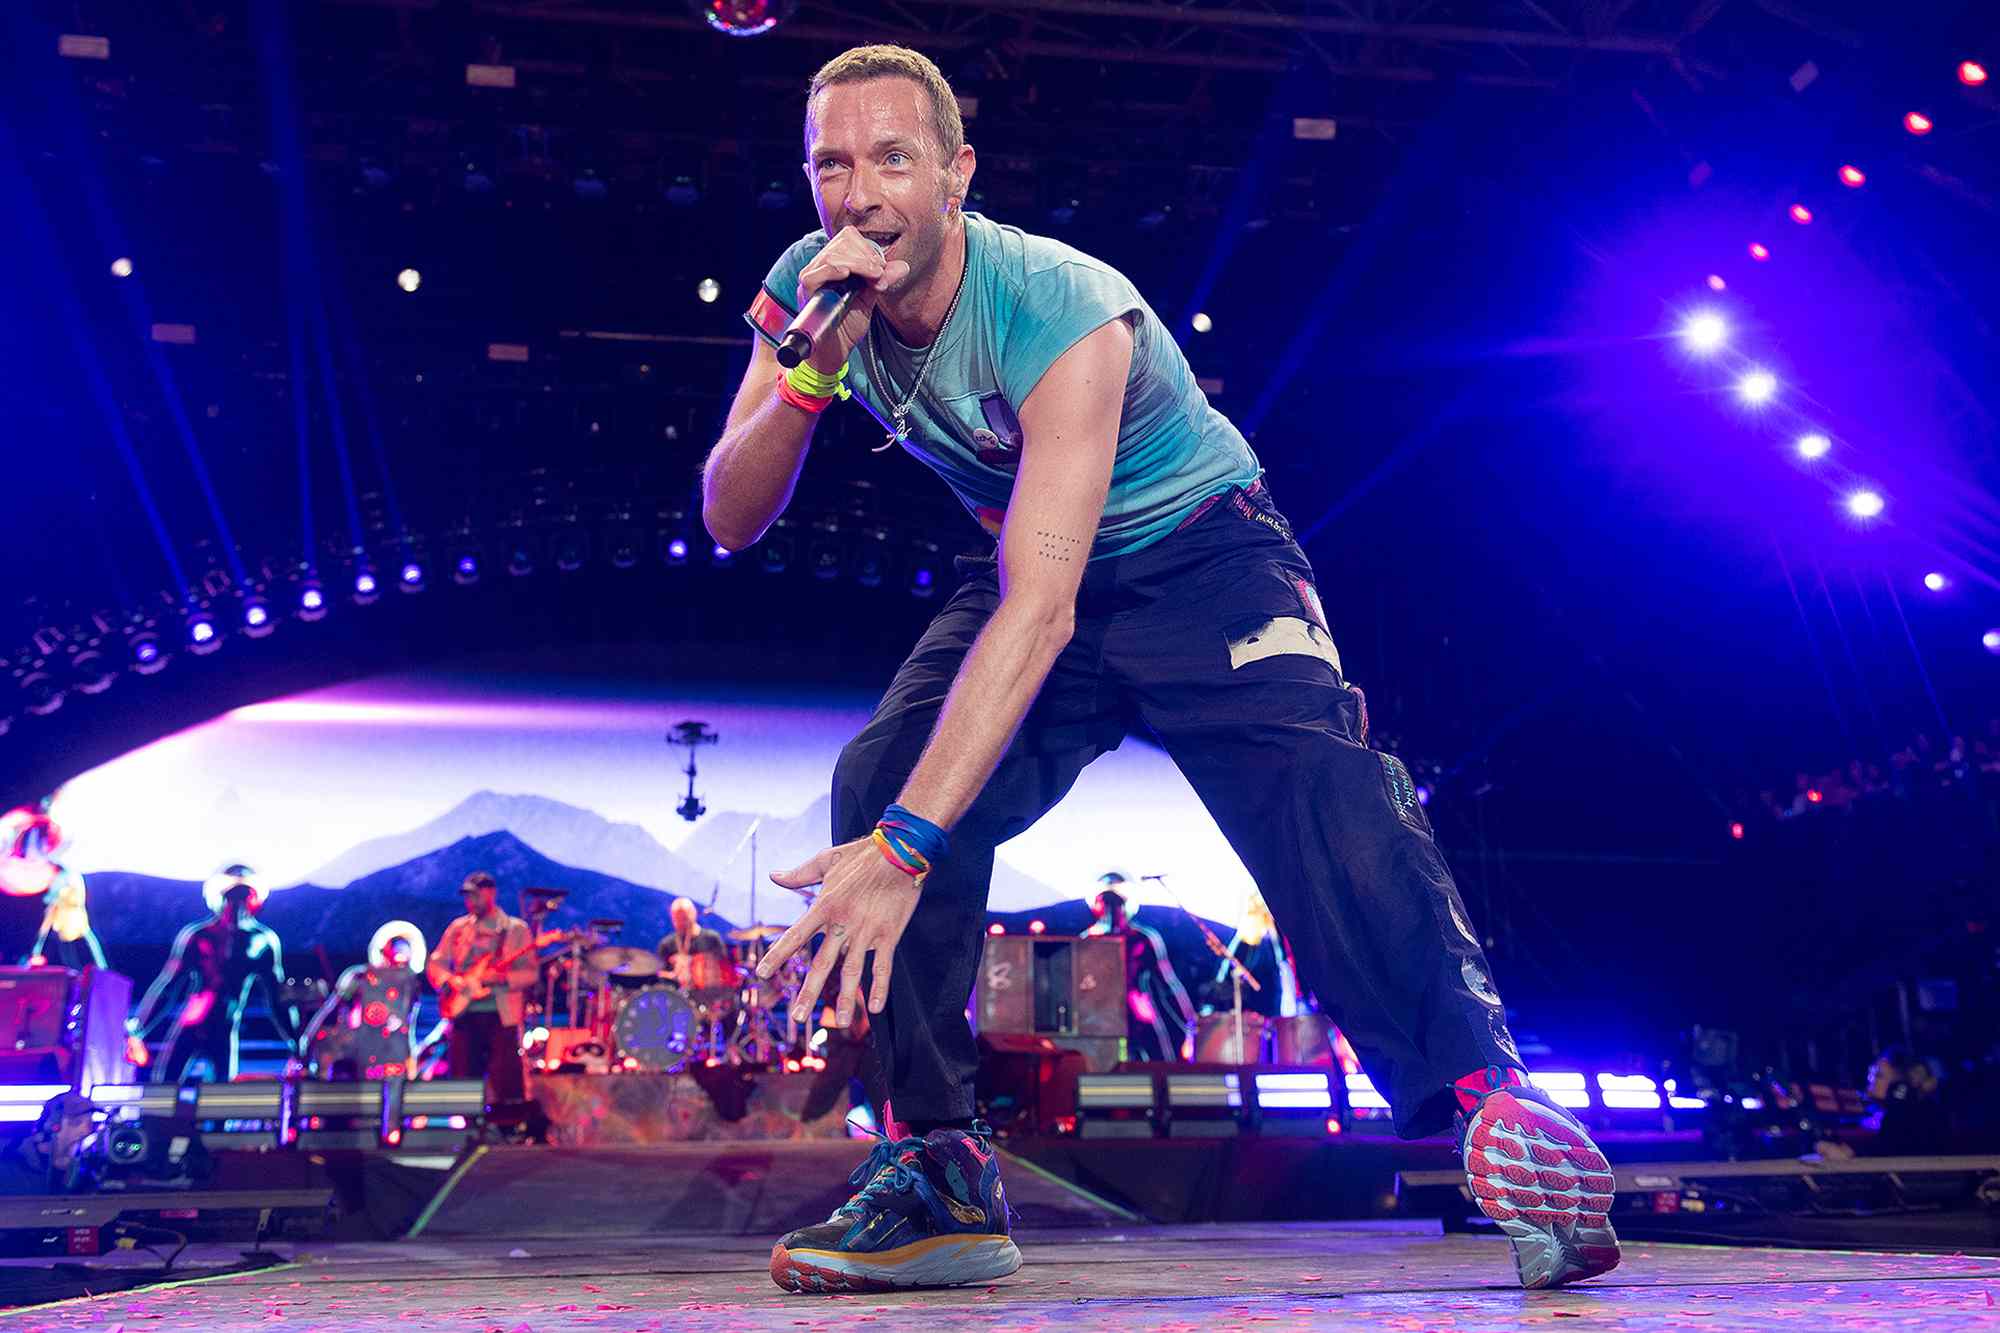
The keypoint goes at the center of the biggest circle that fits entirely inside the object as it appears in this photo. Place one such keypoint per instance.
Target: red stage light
(1759, 251)
(1814, 795)
(1852, 177)
(1036, 927)
(1971, 73)
(996, 929)
(1333, 1124)
(1715, 282)
(1801, 214)
(1916, 122)
(1736, 832)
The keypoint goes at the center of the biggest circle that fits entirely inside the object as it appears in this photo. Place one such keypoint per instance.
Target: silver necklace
(899, 433)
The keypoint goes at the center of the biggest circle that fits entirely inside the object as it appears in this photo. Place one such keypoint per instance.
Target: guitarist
(468, 966)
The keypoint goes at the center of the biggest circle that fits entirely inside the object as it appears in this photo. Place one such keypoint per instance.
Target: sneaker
(1533, 1169)
(929, 1213)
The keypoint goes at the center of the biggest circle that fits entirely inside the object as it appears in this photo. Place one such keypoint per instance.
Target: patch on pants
(1283, 636)
(1478, 983)
(1403, 793)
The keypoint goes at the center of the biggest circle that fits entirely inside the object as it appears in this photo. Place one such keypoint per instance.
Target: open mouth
(883, 239)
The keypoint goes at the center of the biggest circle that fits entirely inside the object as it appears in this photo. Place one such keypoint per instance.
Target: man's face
(876, 165)
(480, 899)
(683, 920)
(396, 953)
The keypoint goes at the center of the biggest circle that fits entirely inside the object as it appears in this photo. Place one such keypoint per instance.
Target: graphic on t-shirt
(998, 442)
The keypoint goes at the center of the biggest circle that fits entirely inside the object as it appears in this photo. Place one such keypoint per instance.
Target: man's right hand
(849, 253)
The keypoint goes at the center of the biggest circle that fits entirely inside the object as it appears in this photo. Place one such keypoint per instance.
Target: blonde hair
(898, 62)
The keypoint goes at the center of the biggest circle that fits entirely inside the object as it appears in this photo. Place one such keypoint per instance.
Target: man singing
(1143, 578)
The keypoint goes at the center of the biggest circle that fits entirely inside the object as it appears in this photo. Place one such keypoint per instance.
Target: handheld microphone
(821, 312)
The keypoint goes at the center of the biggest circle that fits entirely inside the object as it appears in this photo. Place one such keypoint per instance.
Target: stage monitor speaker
(63, 1027)
(1060, 986)
(1027, 1084)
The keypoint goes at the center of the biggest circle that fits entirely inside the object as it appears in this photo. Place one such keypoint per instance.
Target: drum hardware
(624, 960)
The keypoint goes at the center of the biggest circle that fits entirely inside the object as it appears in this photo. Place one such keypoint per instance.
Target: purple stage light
(1865, 504)
(413, 573)
(1715, 282)
(147, 651)
(255, 616)
(312, 599)
(1759, 251)
(1814, 445)
(1990, 640)
(1705, 331)
(1423, 795)
(1757, 387)
(1935, 582)
(721, 553)
(677, 549)
(365, 585)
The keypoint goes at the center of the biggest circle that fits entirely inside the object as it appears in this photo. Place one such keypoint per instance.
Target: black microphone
(822, 311)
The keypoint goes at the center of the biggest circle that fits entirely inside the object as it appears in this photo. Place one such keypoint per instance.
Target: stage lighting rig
(203, 635)
(743, 18)
(149, 655)
(692, 736)
(257, 619)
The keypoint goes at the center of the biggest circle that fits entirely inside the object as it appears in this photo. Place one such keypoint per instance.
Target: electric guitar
(476, 983)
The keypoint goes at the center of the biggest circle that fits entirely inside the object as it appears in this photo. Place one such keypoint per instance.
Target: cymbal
(749, 933)
(621, 960)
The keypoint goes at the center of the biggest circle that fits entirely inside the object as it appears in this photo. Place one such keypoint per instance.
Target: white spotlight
(1814, 445)
(121, 267)
(1706, 331)
(708, 289)
(1757, 387)
(1201, 322)
(1864, 504)
(409, 279)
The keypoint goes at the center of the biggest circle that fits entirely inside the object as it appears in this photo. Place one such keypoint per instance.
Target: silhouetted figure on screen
(1158, 1012)
(208, 979)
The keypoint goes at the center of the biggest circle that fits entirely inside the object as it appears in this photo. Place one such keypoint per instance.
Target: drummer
(689, 941)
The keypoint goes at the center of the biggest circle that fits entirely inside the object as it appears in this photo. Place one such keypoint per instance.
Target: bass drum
(657, 1029)
(1215, 1039)
(1304, 1039)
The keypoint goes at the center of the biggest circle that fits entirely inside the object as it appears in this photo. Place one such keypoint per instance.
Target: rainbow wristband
(915, 833)
(910, 864)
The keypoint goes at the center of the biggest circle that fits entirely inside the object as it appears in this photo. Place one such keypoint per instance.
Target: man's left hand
(863, 907)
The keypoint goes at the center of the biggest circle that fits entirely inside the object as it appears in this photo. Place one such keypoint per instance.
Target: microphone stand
(1240, 974)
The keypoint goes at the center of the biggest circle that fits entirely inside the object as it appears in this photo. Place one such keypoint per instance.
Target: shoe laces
(887, 1152)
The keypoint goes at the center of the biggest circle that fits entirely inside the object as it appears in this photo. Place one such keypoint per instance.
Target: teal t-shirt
(1027, 300)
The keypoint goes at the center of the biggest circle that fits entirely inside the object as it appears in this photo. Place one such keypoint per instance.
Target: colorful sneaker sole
(936, 1261)
(1546, 1185)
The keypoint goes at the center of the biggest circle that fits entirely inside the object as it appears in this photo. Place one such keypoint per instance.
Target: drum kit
(630, 1010)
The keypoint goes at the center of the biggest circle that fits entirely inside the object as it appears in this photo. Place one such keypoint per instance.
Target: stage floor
(1400, 1275)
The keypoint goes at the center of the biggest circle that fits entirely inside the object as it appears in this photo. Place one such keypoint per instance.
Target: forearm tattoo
(1058, 546)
